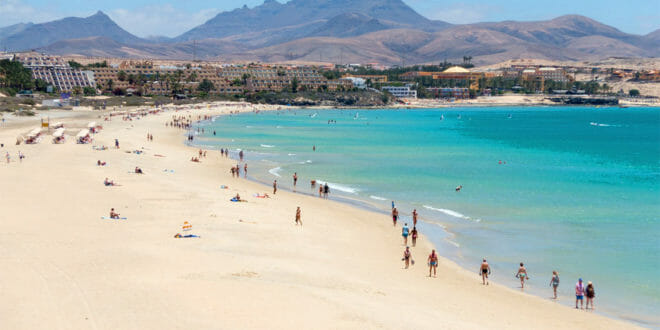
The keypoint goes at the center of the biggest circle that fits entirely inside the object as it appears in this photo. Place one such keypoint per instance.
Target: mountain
(272, 15)
(340, 31)
(350, 25)
(40, 35)
(13, 29)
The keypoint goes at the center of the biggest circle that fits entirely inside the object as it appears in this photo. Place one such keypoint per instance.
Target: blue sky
(173, 17)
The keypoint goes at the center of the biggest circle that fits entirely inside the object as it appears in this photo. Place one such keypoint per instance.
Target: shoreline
(329, 277)
(363, 203)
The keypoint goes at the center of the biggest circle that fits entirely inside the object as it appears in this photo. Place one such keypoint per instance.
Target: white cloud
(461, 13)
(16, 11)
(162, 20)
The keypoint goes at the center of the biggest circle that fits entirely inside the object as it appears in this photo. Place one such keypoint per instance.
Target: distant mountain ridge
(338, 31)
(44, 34)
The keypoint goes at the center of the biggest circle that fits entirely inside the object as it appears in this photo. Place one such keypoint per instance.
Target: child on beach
(554, 282)
(433, 263)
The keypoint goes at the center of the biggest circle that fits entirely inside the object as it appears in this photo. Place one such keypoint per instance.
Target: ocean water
(572, 189)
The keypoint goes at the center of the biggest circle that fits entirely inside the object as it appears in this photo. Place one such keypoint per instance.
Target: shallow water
(568, 188)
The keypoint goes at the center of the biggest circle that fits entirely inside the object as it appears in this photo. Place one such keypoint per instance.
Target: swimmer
(459, 188)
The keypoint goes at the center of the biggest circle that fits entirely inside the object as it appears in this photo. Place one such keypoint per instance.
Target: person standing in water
(414, 214)
(314, 148)
(554, 282)
(591, 294)
(240, 155)
(485, 271)
(326, 190)
(522, 275)
(320, 190)
(392, 204)
(404, 233)
(298, 220)
(433, 263)
(395, 215)
(274, 187)
(579, 294)
(295, 179)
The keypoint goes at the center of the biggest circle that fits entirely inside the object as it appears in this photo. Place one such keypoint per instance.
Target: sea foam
(447, 212)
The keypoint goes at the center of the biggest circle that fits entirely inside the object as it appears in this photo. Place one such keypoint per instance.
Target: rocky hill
(339, 31)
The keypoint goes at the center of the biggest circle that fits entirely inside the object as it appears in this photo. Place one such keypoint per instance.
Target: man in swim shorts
(485, 271)
(579, 294)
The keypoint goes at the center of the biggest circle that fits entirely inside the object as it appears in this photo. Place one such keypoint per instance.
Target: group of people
(236, 170)
(21, 156)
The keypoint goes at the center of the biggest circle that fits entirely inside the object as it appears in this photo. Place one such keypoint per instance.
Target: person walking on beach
(274, 187)
(413, 234)
(404, 233)
(554, 282)
(395, 215)
(485, 271)
(7, 156)
(522, 275)
(433, 263)
(407, 257)
(591, 293)
(116, 144)
(414, 216)
(245, 170)
(295, 179)
(298, 220)
(579, 294)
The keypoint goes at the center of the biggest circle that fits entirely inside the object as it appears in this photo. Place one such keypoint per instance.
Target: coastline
(263, 264)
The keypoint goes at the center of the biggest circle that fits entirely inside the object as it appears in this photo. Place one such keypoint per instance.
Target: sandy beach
(252, 267)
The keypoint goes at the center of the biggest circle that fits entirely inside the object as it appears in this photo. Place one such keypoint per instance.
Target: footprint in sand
(247, 274)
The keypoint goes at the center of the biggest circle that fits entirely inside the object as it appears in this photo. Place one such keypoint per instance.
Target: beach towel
(109, 218)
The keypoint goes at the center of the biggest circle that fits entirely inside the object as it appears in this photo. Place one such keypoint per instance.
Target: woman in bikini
(522, 275)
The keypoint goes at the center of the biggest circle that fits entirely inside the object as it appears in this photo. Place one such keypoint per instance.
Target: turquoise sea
(572, 189)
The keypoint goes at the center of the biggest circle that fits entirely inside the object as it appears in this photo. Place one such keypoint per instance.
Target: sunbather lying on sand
(185, 236)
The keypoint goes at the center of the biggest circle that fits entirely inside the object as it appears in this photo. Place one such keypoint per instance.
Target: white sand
(65, 268)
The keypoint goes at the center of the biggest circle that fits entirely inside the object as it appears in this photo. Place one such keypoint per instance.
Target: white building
(401, 92)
